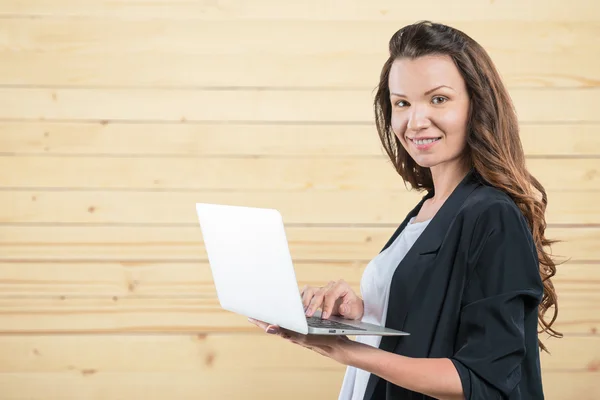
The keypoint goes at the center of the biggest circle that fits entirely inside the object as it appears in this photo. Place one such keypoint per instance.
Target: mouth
(424, 141)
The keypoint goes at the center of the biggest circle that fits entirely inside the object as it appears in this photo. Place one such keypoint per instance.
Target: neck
(446, 178)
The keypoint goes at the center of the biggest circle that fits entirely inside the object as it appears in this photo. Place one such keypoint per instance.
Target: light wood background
(117, 116)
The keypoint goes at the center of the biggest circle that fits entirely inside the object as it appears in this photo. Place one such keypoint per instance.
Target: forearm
(436, 377)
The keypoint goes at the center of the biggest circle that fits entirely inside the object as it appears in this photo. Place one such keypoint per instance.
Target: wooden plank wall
(117, 116)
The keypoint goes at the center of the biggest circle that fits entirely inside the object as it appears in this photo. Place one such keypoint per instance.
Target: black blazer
(469, 290)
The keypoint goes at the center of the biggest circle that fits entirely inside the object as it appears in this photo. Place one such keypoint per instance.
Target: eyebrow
(426, 93)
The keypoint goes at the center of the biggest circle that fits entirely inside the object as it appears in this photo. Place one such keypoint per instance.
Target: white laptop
(253, 272)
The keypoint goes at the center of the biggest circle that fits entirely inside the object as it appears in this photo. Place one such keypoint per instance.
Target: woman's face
(430, 107)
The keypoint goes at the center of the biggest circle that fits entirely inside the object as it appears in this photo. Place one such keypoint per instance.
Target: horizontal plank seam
(115, 297)
(98, 189)
(287, 224)
(53, 260)
(202, 190)
(255, 156)
(226, 88)
(273, 88)
(251, 332)
(187, 332)
(250, 122)
(186, 16)
(238, 123)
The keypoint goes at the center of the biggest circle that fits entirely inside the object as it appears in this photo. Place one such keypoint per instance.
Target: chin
(425, 162)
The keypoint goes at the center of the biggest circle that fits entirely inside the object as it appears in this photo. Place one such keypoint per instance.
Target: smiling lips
(424, 143)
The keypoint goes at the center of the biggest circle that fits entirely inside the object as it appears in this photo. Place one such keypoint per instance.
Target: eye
(401, 103)
(439, 99)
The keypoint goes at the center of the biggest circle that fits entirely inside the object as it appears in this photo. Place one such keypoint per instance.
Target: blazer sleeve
(504, 286)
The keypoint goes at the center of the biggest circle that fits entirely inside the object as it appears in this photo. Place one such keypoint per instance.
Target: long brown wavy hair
(494, 147)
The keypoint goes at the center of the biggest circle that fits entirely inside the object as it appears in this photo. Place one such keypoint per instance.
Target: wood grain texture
(154, 279)
(114, 314)
(257, 384)
(257, 140)
(341, 54)
(92, 385)
(116, 116)
(302, 106)
(519, 68)
(270, 174)
(184, 243)
(330, 10)
(194, 279)
(297, 207)
(283, 37)
(254, 351)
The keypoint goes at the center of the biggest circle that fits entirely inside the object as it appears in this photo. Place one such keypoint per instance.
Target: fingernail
(272, 330)
(325, 314)
(343, 309)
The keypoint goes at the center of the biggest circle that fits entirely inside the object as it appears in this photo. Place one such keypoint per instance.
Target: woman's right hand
(337, 298)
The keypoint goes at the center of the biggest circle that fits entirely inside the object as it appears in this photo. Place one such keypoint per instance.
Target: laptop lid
(251, 264)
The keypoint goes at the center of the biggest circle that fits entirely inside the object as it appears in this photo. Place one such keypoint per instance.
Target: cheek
(454, 125)
(399, 129)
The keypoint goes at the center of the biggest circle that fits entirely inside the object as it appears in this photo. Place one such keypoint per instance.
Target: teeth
(427, 141)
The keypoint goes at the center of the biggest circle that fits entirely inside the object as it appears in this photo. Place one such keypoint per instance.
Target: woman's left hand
(336, 347)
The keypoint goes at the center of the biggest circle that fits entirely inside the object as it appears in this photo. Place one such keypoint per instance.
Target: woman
(466, 272)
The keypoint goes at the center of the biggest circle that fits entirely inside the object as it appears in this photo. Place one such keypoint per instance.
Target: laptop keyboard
(317, 322)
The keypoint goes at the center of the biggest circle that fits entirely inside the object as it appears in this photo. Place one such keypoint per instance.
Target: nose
(418, 119)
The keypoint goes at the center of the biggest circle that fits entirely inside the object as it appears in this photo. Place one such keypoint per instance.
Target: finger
(349, 307)
(264, 325)
(272, 329)
(314, 304)
(304, 289)
(346, 305)
(344, 308)
(307, 295)
(333, 295)
(317, 300)
(258, 323)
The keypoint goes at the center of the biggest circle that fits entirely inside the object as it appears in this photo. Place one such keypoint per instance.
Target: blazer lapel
(427, 243)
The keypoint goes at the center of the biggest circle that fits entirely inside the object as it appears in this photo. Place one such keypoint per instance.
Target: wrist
(352, 352)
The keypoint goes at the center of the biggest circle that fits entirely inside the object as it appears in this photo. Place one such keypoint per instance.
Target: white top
(374, 288)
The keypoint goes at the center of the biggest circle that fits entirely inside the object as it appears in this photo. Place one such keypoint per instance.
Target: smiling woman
(459, 101)
(466, 273)
(441, 107)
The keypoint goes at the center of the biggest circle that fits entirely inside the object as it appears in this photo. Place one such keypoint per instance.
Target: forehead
(416, 76)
